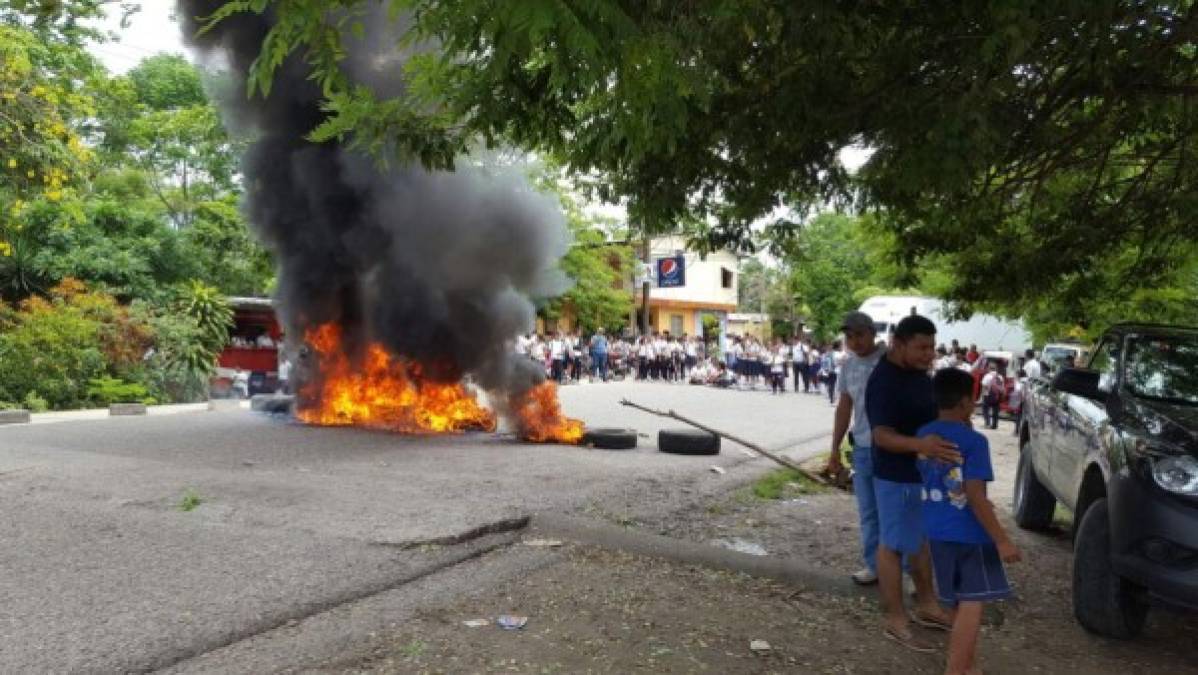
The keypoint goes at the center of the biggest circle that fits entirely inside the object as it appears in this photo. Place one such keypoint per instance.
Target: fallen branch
(735, 439)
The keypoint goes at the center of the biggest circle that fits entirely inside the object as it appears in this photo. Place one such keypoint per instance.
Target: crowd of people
(747, 362)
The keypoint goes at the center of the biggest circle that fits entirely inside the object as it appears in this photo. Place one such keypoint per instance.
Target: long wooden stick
(735, 439)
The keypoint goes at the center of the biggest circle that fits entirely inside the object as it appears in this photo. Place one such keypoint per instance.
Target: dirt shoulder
(602, 611)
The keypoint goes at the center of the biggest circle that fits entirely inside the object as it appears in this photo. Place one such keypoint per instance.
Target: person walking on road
(899, 400)
(864, 353)
(599, 355)
(1031, 367)
(993, 388)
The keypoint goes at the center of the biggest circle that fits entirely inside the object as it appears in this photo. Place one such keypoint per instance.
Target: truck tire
(610, 439)
(1103, 602)
(688, 442)
(1034, 504)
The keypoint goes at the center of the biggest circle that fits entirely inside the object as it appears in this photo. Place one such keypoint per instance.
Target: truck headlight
(1178, 474)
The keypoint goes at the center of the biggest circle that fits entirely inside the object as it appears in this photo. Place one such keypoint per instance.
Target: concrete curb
(604, 535)
(123, 409)
(16, 416)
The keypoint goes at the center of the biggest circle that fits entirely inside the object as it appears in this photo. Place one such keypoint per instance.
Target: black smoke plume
(437, 266)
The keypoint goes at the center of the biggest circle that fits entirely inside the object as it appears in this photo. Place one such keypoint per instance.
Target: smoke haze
(438, 267)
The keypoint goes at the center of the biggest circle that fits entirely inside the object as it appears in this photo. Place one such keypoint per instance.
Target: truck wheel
(688, 442)
(1034, 504)
(1103, 602)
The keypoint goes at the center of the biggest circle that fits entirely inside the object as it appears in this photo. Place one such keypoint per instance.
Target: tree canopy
(1023, 147)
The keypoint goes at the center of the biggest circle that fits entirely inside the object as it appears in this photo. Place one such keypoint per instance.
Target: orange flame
(541, 419)
(383, 392)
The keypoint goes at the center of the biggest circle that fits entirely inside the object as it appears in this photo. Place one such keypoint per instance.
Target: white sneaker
(865, 577)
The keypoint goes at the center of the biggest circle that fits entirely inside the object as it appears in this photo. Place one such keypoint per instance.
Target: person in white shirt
(778, 368)
(993, 389)
(523, 342)
(557, 356)
(690, 351)
(1032, 367)
(284, 374)
(241, 384)
(860, 337)
(813, 361)
(644, 356)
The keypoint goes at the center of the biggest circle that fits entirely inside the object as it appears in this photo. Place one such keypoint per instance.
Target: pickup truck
(1116, 443)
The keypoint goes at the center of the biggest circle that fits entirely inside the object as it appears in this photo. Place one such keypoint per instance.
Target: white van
(984, 330)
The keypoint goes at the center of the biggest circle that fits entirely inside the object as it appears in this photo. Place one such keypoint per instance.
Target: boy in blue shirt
(968, 544)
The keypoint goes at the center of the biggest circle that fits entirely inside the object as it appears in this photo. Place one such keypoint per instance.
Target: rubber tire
(1103, 603)
(688, 442)
(610, 438)
(1034, 504)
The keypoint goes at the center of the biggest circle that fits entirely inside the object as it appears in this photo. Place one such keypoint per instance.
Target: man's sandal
(933, 622)
(909, 640)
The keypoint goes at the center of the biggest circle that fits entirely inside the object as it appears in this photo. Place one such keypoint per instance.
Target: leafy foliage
(210, 311)
(598, 263)
(1017, 146)
(108, 390)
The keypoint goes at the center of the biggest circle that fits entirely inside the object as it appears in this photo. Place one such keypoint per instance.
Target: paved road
(103, 571)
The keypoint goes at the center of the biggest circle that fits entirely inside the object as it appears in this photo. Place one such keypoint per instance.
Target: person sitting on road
(968, 544)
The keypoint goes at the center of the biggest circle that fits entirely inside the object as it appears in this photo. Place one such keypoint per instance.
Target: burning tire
(688, 442)
(610, 439)
(272, 403)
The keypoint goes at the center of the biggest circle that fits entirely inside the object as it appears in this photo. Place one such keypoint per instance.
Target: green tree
(42, 157)
(598, 263)
(828, 270)
(1030, 142)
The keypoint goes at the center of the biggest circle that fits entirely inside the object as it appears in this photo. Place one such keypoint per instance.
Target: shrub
(108, 390)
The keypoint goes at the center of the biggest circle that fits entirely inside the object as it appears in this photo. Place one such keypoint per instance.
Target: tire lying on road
(272, 403)
(688, 442)
(610, 438)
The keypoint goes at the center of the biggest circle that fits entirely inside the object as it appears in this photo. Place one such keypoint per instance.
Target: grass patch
(190, 501)
(783, 483)
(413, 649)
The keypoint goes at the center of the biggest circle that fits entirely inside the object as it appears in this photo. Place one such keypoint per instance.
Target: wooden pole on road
(735, 439)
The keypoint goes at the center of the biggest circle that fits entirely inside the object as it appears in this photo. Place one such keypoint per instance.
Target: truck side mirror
(1079, 382)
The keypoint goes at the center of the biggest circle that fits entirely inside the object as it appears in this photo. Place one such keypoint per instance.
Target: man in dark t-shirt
(899, 400)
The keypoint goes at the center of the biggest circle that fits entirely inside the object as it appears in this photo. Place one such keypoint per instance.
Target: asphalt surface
(103, 570)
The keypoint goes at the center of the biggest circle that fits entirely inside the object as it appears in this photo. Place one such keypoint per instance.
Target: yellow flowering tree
(42, 103)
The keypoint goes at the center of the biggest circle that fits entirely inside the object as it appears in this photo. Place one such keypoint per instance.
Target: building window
(725, 277)
(676, 325)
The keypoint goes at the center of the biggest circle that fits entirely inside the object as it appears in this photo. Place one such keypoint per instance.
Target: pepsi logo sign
(671, 272)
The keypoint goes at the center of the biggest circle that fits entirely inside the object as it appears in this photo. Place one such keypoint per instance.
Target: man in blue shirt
(899, 400)
(967, 542)
(599, 354)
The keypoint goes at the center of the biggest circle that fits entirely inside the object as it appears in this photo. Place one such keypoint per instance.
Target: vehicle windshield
(1163, 367)
(1056, 355)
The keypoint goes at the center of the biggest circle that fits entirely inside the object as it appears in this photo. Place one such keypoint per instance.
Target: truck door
(1079, 424)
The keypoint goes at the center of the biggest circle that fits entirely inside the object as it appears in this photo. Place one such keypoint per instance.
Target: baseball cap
(857, 321)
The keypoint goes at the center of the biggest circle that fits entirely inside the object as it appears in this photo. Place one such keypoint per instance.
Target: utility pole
(647, 260)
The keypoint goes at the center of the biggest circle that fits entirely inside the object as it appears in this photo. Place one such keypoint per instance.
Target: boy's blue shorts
(900, 515)
(968, 573)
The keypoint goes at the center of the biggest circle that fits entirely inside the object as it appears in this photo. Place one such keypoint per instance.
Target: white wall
(703, 277)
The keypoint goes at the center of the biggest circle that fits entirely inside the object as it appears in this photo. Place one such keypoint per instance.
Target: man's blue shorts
(900, 515)
(968, 573)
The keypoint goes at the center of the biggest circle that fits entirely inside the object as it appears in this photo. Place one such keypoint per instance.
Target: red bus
(255, 346)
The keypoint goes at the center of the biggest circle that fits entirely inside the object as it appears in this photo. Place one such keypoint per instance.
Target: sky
(150, 31)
